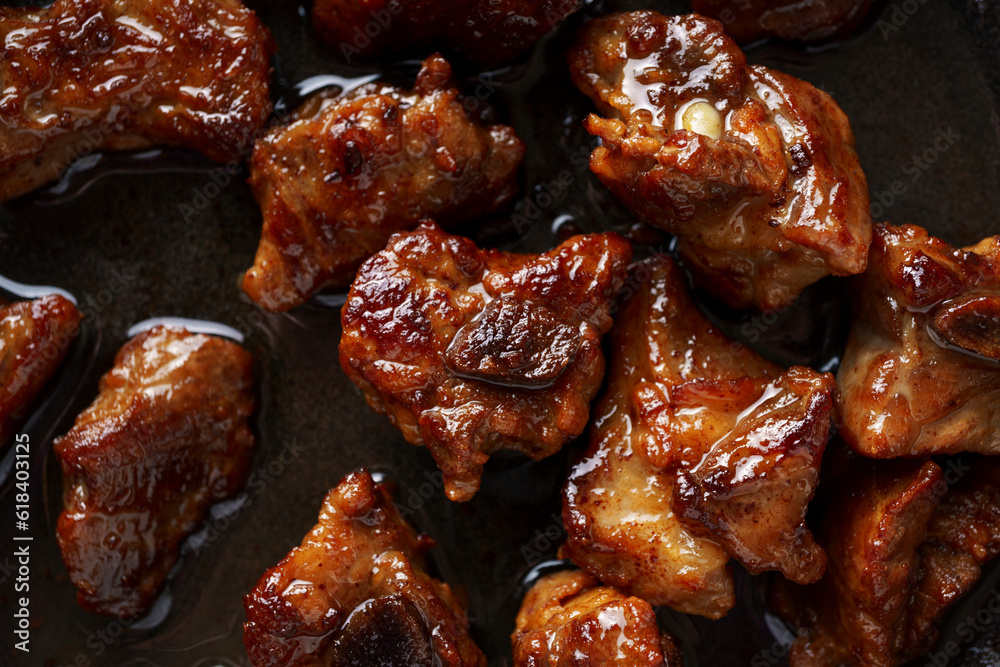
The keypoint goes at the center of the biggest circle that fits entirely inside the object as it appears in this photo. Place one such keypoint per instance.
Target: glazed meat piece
(356, 593)
(701, 451)
(90, 75)
(900, 555)
(962, 535)
(921, 371)
(749, 20)
(754, 170)
(569, 619)
(470, 351)
(875, 523)
(167, 436)
(489, 32)
(335, 184)
(35, 337)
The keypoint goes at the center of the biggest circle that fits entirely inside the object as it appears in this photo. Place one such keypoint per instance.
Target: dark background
(118, 236)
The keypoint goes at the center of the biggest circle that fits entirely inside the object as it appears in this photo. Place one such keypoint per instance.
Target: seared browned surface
(750, 20)
(167, 436)
(767, 199)
(921, 371)
(355, 593)
(470, 351)
(962, 535)
(899, 556)
(35, 337)
(335, 184)
(489, 32)
(700, 450)
(568, 619)
(876, 520)
(89, 75)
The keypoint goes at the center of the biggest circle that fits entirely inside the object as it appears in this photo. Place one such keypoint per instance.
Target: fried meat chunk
(355, 593)
(921, 371)
(167, 436)
(336, 183)
(488, 32)
(754, 170)
(470, 351)
(963, 534)
(90, 75)
(903, 546)
(794, 20)
(570, 619)
(701, 451)
(35, 337)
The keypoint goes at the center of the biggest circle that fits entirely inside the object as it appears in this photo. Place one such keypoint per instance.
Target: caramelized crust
(962, 535)
(749, 20)
(569, 619)
(355, 593)
(35, 337)
(899, 557)
(921, 371)
(470, 351)
(747, 463)
(702, 450)
(489, 32)
(857, 613)
(167, 436)
(335, 184)
(89, 75)
(754, 170)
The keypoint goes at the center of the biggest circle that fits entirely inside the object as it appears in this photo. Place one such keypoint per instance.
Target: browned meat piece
(754, 170)
(749, 462)
(962, 535)
(167, 437)
(899, 557)
(35, 337)
(701, 450)
(470, 351)
(88, 75)
(337, 183)
(921, 371)
(749, 20)
(489, 32)
(355, 593)
(568, 619)
(857, 613)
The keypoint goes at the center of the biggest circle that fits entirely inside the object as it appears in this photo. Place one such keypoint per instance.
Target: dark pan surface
(162, 234)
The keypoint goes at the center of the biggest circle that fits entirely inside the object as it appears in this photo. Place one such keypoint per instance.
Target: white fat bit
(702, 118)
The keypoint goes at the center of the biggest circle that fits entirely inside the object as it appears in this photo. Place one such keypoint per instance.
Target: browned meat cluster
(701, 451)
(167, 436)
(88, 75)
(335, 184)
(568, 618)
(470, 351)
(904, 543)
(816, 20)
(35, 337)
(921, 371)
(489, 32)
(755, 171)
(356, 593)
